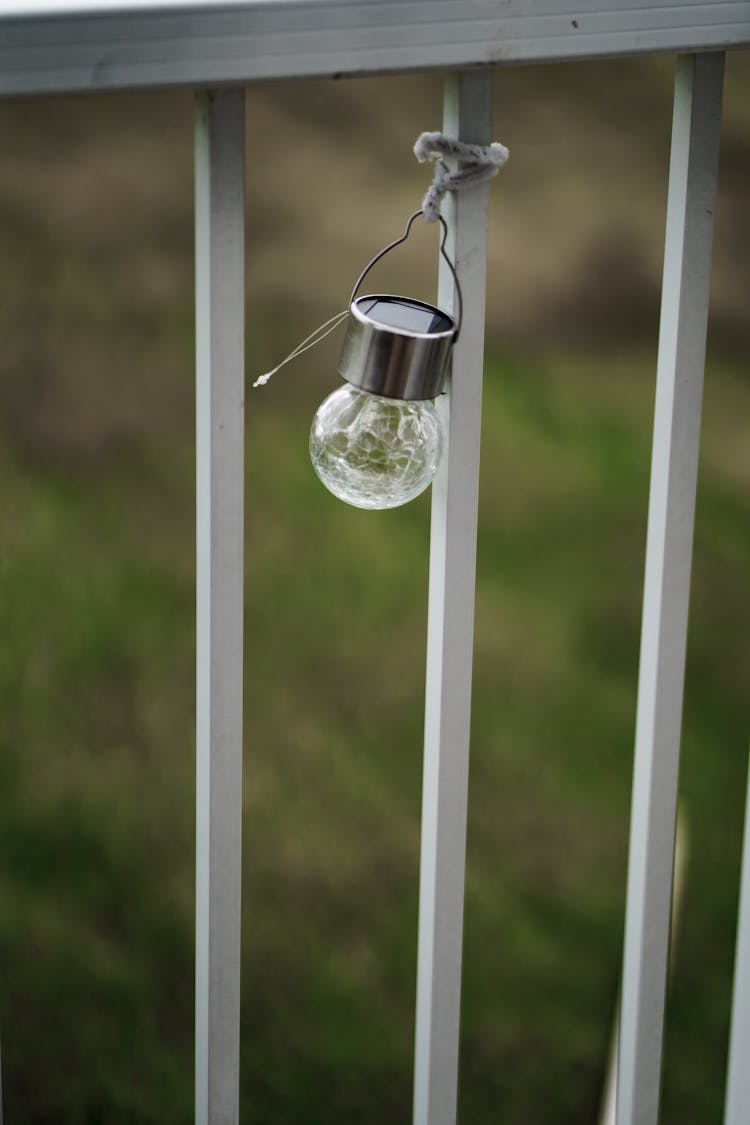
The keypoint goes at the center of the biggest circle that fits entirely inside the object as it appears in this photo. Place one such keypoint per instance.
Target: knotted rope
(477, 163)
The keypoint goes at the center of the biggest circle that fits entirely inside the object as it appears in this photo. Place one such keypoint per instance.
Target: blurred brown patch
(612, 297)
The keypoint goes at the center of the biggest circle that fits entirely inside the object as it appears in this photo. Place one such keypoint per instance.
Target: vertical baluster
(682, 342)
(219, 269)
(737, 1110)
(451, 636)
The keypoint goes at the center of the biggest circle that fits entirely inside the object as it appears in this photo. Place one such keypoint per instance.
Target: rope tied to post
(477, 163)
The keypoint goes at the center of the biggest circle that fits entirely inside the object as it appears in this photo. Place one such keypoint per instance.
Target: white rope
(477, 163)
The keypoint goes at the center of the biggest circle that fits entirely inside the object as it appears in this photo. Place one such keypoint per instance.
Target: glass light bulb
(375, 452)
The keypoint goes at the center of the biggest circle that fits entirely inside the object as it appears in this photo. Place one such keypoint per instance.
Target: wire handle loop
(397, 242)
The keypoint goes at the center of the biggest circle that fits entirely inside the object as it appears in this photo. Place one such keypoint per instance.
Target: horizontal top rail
(66, 47)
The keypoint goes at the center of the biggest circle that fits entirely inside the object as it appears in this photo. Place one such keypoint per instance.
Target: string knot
(477, 163)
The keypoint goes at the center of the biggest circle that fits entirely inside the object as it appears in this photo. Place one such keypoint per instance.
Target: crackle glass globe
(375, 452)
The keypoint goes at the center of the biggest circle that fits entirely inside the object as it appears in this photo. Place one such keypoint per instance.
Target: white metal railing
(56, 46)
(220, 469)
(669, 548)
(737, 1109)
(49, 46)
(450, 636)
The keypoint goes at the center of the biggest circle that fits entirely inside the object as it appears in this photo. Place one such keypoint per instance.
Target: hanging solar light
(377, 441)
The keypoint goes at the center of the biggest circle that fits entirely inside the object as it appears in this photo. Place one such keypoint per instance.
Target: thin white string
(477, 163)
(309, 342)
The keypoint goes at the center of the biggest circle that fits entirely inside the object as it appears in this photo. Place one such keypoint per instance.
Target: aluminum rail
(450, 633)
(669, 546)
(63, 47)
(737, 1106)
(220, 468)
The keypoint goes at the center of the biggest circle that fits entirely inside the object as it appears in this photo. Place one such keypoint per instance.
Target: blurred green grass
(97, 599)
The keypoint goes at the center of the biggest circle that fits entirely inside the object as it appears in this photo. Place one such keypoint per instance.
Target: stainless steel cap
(397, 347)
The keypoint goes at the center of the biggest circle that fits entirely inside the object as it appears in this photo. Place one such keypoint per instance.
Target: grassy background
(97, 590)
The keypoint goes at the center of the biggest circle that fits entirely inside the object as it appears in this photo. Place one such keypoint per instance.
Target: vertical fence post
(450, 640)
(737, 1108)
(674, 469)
(219, 271)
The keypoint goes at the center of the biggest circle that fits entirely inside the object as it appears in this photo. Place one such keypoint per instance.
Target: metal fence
(218, 48)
